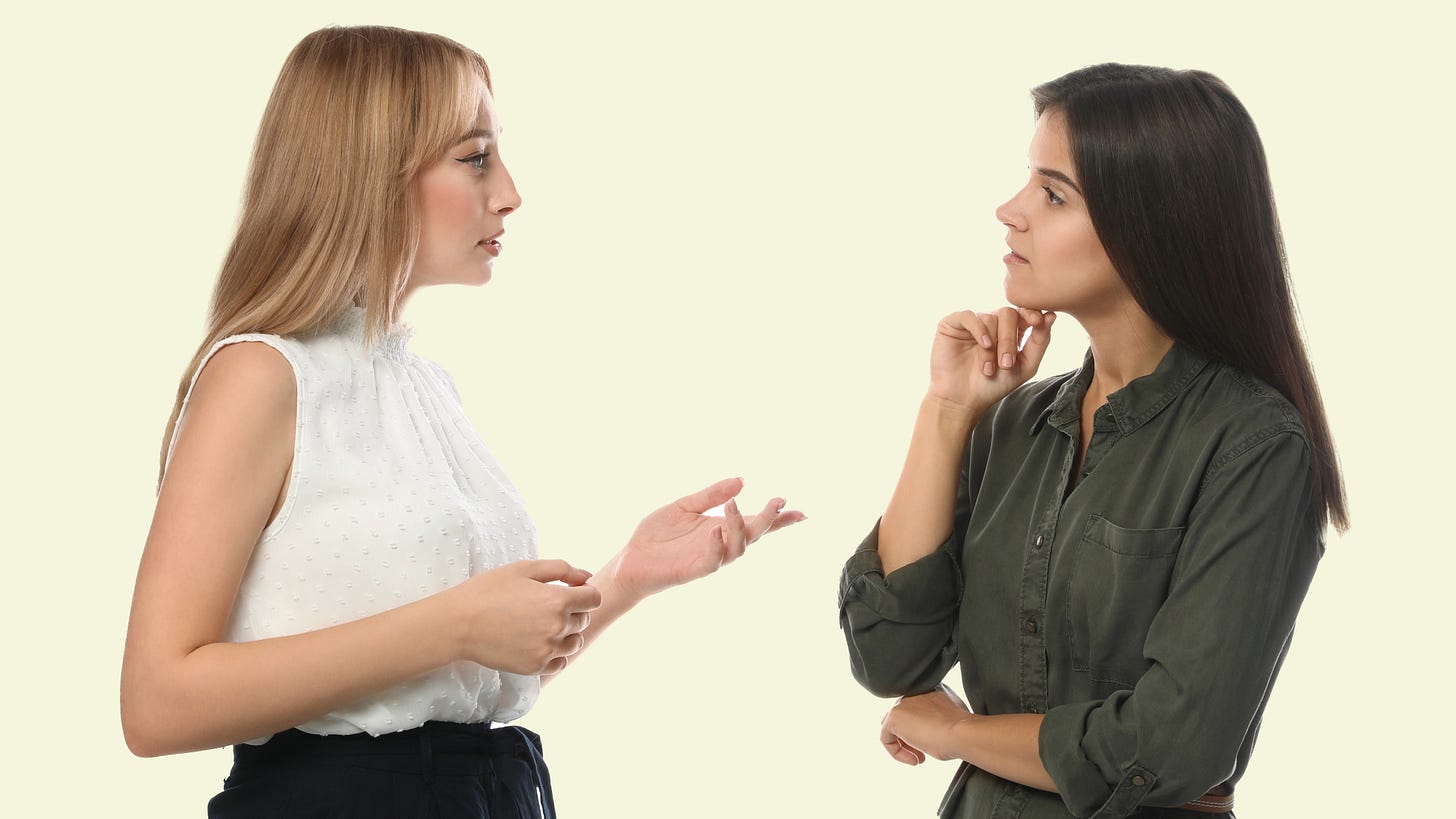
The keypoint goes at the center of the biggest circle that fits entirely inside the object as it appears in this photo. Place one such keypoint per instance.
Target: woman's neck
(1125, 345)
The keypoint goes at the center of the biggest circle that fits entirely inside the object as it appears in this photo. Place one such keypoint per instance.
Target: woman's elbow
(140, 737)
(144, 723)
(887, 677)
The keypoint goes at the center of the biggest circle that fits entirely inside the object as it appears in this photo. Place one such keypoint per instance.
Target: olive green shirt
(1145, 612)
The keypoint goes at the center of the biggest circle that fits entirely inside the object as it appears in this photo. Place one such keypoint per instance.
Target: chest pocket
(1117, 584)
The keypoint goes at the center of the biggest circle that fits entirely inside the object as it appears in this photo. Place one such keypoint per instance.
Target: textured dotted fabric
(392, 497)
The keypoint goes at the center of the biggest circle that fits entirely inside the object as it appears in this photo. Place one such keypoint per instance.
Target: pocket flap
(1133, 542)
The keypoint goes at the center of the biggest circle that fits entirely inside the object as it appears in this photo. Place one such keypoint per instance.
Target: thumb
(705, 499)
(1037, 342)
(545, 571)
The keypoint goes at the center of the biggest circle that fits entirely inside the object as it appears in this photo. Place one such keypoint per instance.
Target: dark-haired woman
(1115, 556)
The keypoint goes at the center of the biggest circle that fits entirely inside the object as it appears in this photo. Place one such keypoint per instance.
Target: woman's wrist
(950, 419)
(453, 622)
(615, 595)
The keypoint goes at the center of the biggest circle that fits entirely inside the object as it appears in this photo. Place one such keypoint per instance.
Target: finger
(715, 495)
(909, 754)
(896, 748)
(571, 644)
(1038, 341)
(965, 324)
(761, 522)
(716, 556)
(1007, 326)
(546, 571)
(986, 357)
(788, 518)
(577, 621)
(576, 577)
(734, 530)
(582, 598)
(1030, 317)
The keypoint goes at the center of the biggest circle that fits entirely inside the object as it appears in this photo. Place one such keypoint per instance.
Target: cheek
(447, 209)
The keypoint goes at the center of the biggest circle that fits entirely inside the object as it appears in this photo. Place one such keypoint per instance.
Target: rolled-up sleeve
(900, 627)
(1249, 552)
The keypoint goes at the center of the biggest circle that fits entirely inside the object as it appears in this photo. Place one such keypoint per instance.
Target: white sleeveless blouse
(392, 497)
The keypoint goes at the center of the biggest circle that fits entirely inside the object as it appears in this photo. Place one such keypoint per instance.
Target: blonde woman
(339, 579)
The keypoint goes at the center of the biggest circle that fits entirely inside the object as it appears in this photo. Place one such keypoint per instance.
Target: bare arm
(938, 724)
(975, 361)
(677, 544)
(232, 453)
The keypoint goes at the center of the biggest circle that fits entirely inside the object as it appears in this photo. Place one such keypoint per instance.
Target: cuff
(925, 591)
(1081, 783)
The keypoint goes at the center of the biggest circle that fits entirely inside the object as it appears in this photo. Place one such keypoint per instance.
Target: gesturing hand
(923, 724)
(516, 619)
(977, 359)
(678, 543)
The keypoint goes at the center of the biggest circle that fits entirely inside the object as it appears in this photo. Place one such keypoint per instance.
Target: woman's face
(464, 198)
(1057, 262)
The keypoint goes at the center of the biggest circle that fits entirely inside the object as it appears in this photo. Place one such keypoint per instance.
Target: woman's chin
(1019, 295)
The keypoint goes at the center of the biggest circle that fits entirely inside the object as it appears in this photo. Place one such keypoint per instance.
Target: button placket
(1035, 575)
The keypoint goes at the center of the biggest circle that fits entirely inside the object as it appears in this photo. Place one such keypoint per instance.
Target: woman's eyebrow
(489, 136)
(1060, 177)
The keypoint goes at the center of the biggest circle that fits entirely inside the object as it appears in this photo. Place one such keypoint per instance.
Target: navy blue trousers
(439, 770)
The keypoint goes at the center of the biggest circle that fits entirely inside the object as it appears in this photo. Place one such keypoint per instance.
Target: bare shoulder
(236, 432)
(252, 370)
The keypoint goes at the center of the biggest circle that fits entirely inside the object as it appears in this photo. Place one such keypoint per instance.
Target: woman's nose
(1010, 214)
(505, 199)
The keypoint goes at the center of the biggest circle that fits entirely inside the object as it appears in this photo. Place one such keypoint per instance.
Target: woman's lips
(492, 246)
(1013, 258)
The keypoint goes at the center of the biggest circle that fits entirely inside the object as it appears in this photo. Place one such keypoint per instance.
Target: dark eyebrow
(1060, 177)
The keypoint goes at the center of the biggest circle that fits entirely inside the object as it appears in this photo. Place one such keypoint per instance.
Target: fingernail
(988, 368)
(1007, 360)
(985, 341)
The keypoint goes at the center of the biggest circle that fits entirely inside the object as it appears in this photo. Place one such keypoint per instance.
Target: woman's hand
(678, 543)
(924, 725)
(517, 618)
(977, 359)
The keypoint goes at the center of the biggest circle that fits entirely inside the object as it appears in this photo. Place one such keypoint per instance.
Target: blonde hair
(329, 213)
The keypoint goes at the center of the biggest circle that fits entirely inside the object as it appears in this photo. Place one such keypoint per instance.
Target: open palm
(678, 543)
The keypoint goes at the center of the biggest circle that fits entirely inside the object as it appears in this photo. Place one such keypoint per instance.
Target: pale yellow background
(741, 222)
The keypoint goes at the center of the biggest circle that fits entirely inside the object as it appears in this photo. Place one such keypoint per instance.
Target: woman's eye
(1052, 197)
(476, 161)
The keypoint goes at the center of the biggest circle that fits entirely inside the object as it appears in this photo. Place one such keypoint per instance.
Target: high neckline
(395, 341)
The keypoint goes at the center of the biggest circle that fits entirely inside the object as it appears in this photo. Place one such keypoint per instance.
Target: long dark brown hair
(1177, 186)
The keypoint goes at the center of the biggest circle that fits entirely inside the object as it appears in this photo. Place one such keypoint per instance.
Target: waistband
(434, 748)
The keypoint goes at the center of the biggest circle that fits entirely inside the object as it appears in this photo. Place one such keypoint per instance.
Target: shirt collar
(1133, 405)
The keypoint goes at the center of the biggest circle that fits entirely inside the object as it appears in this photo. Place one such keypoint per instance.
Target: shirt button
(1039, 540)
(1138, 781)
(1030, 626)
(1033, 710)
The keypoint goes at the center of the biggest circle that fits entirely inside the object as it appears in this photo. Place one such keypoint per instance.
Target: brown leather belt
(1215, 801)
